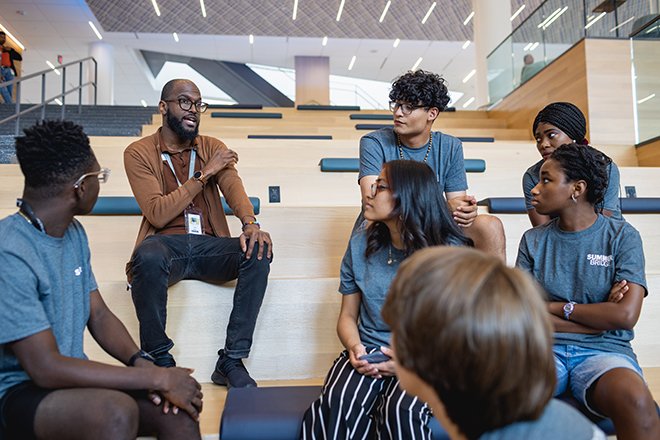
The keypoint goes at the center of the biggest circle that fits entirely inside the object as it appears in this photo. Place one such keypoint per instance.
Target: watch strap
(140, 354)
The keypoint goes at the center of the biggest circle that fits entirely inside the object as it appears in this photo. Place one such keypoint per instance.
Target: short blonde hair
(475, 330)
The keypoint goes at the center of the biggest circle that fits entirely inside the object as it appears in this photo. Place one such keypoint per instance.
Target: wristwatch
(568, 309)
(199, 176)
(140, 354)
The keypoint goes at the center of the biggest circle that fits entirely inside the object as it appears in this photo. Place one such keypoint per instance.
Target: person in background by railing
(7, 69)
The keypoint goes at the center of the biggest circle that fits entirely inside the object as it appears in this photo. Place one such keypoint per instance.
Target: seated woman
(557, 124)
(360, 399)
(592, 268)
(473, 339)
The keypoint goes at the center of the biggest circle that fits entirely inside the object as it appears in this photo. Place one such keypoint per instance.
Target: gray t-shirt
(582, 266)
(445, 157)
(559, 421)
(44, 283)
(611, 201)
(372, 278)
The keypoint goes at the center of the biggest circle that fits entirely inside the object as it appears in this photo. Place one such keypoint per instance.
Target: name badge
(194, 223)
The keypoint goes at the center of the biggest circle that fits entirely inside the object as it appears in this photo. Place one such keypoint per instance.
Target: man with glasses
(48, 296)
(175, 175)
(416, 99)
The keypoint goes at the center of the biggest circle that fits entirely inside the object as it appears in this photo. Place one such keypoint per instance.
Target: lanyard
(191, 169)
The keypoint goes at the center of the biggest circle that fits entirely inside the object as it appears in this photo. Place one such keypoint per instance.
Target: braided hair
(583, 162)
(421, 86)
(566, 117)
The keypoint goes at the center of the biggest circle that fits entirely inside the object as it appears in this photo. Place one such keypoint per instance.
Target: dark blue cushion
(640, 205)
(275, 413)
(338, 164)
(504, 205)
(129, 206)
(387, 117)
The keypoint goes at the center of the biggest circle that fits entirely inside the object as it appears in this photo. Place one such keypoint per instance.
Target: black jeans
(162, 260)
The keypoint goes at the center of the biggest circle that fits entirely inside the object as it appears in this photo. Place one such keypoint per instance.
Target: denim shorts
(579, 368)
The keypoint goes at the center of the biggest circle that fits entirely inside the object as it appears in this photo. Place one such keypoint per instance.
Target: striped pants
(354, 406)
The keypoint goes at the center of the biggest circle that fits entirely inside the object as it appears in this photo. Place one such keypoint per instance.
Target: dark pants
(162, 260)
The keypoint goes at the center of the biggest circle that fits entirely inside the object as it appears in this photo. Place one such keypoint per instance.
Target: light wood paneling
(649, 154)
(312, 80)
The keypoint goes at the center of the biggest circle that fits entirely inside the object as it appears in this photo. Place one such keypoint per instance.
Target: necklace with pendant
(428, 150)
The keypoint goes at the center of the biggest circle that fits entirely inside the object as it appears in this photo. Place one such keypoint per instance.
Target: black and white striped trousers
(354, 406)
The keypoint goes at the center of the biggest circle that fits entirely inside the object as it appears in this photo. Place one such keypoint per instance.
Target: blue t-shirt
(44, 284)
(445, 157)
(582, 266)
(559, 421)
(611, 201)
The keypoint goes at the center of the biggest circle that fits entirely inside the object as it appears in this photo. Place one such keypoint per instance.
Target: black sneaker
(231, 372)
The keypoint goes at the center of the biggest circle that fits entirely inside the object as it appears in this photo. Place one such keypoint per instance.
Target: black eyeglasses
(375, 187)
(406, 109)
(186, 104)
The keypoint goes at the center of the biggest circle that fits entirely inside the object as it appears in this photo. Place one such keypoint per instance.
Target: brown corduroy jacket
(144, 169)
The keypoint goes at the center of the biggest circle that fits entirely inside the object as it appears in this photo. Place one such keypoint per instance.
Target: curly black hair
(53, 154)
(583, 162)
(421, 86)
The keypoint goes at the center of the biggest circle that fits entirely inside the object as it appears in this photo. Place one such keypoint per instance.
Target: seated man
(175, 175)
(416, 99)
(472, 338)
(48, 295)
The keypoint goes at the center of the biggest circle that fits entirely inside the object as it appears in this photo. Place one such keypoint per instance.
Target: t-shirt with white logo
(582, 266)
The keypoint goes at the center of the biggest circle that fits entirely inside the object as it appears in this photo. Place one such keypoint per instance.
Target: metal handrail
(18, 113)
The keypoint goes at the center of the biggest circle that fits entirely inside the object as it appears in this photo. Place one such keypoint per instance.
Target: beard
(177, 127)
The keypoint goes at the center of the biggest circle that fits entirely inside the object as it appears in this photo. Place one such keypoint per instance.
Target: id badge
(194, 223)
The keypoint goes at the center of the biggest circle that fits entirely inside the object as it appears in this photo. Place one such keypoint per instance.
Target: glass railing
(553, 28)
(646, 74)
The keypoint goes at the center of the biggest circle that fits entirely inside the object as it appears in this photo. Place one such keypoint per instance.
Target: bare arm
(537, 219)
(463, 208)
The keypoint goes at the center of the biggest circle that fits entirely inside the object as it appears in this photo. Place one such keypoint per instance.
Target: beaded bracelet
(250, 223)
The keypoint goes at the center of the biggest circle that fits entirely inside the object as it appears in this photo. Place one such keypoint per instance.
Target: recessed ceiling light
(534, 46)
(466, 44)
(325, 41)
(387, 6)
(156, 7)
(52, 67)
(396, 42)
(58, 101)
(588, 24)
(295, 9)
(469, 75)
(428, 14)
(468, 102)
(469, 17)
(350, 66)
(341, 8)
(144, 103)
(176, 37)
(513, 17)
(419, 61)
(201, 3)
(12, 37)
(251, 39)
(645, 99)
(96, 31)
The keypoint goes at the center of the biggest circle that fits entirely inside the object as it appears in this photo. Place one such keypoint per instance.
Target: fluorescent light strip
(556, 17)
(469, 17)
(144, 103)
(534, 46)
(396, 42)
(58, 101)
(513, 17)
(466, 44)
(325, 41)
(350, 66)
(652, 29)
(201, 3)
(542, 24)
(295, 9)
(428, 14)
(387, 6)
(52, 67)
(156, 7)
(527, 47)
(12, 37)
(594, 20)
(468, 102)
(419, 61)
(646, 99)
(469, 75)
(96, 31)
(341, 8)
(251, 38)
(625, 22)
(176, 37)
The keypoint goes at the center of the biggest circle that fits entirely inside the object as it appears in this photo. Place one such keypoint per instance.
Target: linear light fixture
(548, 18)
(466, 44)
(201, 3)
(428, 14)
(591, 23)
(526, 48)
(396, 42)
(469, 17)
(564, 9)
(144, 103)
(176, 37)
(295, 9)
(350, 66)
(325, 41)
(52, 67)
(341, 8)
(646, 99)
(96, 31)
(387, 6)
(12, 37)
(417, 63)
(520, 9)
(625, 22)
(469, 75)
(251, 38)
(534, 46)
(468, 102)
(552, 17)
(156, 7)
(58, 101)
